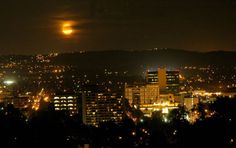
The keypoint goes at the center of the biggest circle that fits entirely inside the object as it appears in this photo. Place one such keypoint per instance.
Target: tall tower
(162, 78)
(100, 106)
(172, 82)
(168, 81)
(152, 77)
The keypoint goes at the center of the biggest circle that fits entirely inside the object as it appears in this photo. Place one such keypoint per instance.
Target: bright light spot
(175, 132)
(46, 99)
(231, 141)
(141, 120)
(165, 119)
(133, 133)
(35, 107)
(67, 29)
(165, 110)
(9, 82)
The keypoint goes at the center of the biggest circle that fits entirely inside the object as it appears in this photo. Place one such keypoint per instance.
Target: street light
(8, 82)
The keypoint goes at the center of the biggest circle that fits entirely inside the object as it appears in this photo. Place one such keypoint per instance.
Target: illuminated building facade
(141, 94)
(67, 102)
(165, 103)
(99, 106)
(161, 106)
(168, 81)
(167, 97)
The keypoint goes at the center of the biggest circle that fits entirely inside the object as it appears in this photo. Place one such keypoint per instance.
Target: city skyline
(30, 27)
(117, 73)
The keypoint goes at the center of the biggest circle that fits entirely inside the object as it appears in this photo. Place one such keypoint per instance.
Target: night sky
(34, 26)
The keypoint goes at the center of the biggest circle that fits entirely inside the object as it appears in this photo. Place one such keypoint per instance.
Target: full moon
(67, 29)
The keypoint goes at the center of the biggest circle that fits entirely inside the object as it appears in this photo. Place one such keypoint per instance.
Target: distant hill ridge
(134, 60)
(123, 59)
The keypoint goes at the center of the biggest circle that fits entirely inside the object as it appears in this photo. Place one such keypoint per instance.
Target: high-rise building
(141, 94)
(67, 102)
(100, 106)
(168, 81)
(172, 82)
(152, 77)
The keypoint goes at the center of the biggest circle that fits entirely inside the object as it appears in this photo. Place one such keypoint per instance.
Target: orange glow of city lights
(46, 99)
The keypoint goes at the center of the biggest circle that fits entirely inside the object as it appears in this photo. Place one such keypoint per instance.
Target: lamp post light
(8, 82)
(9, 85)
